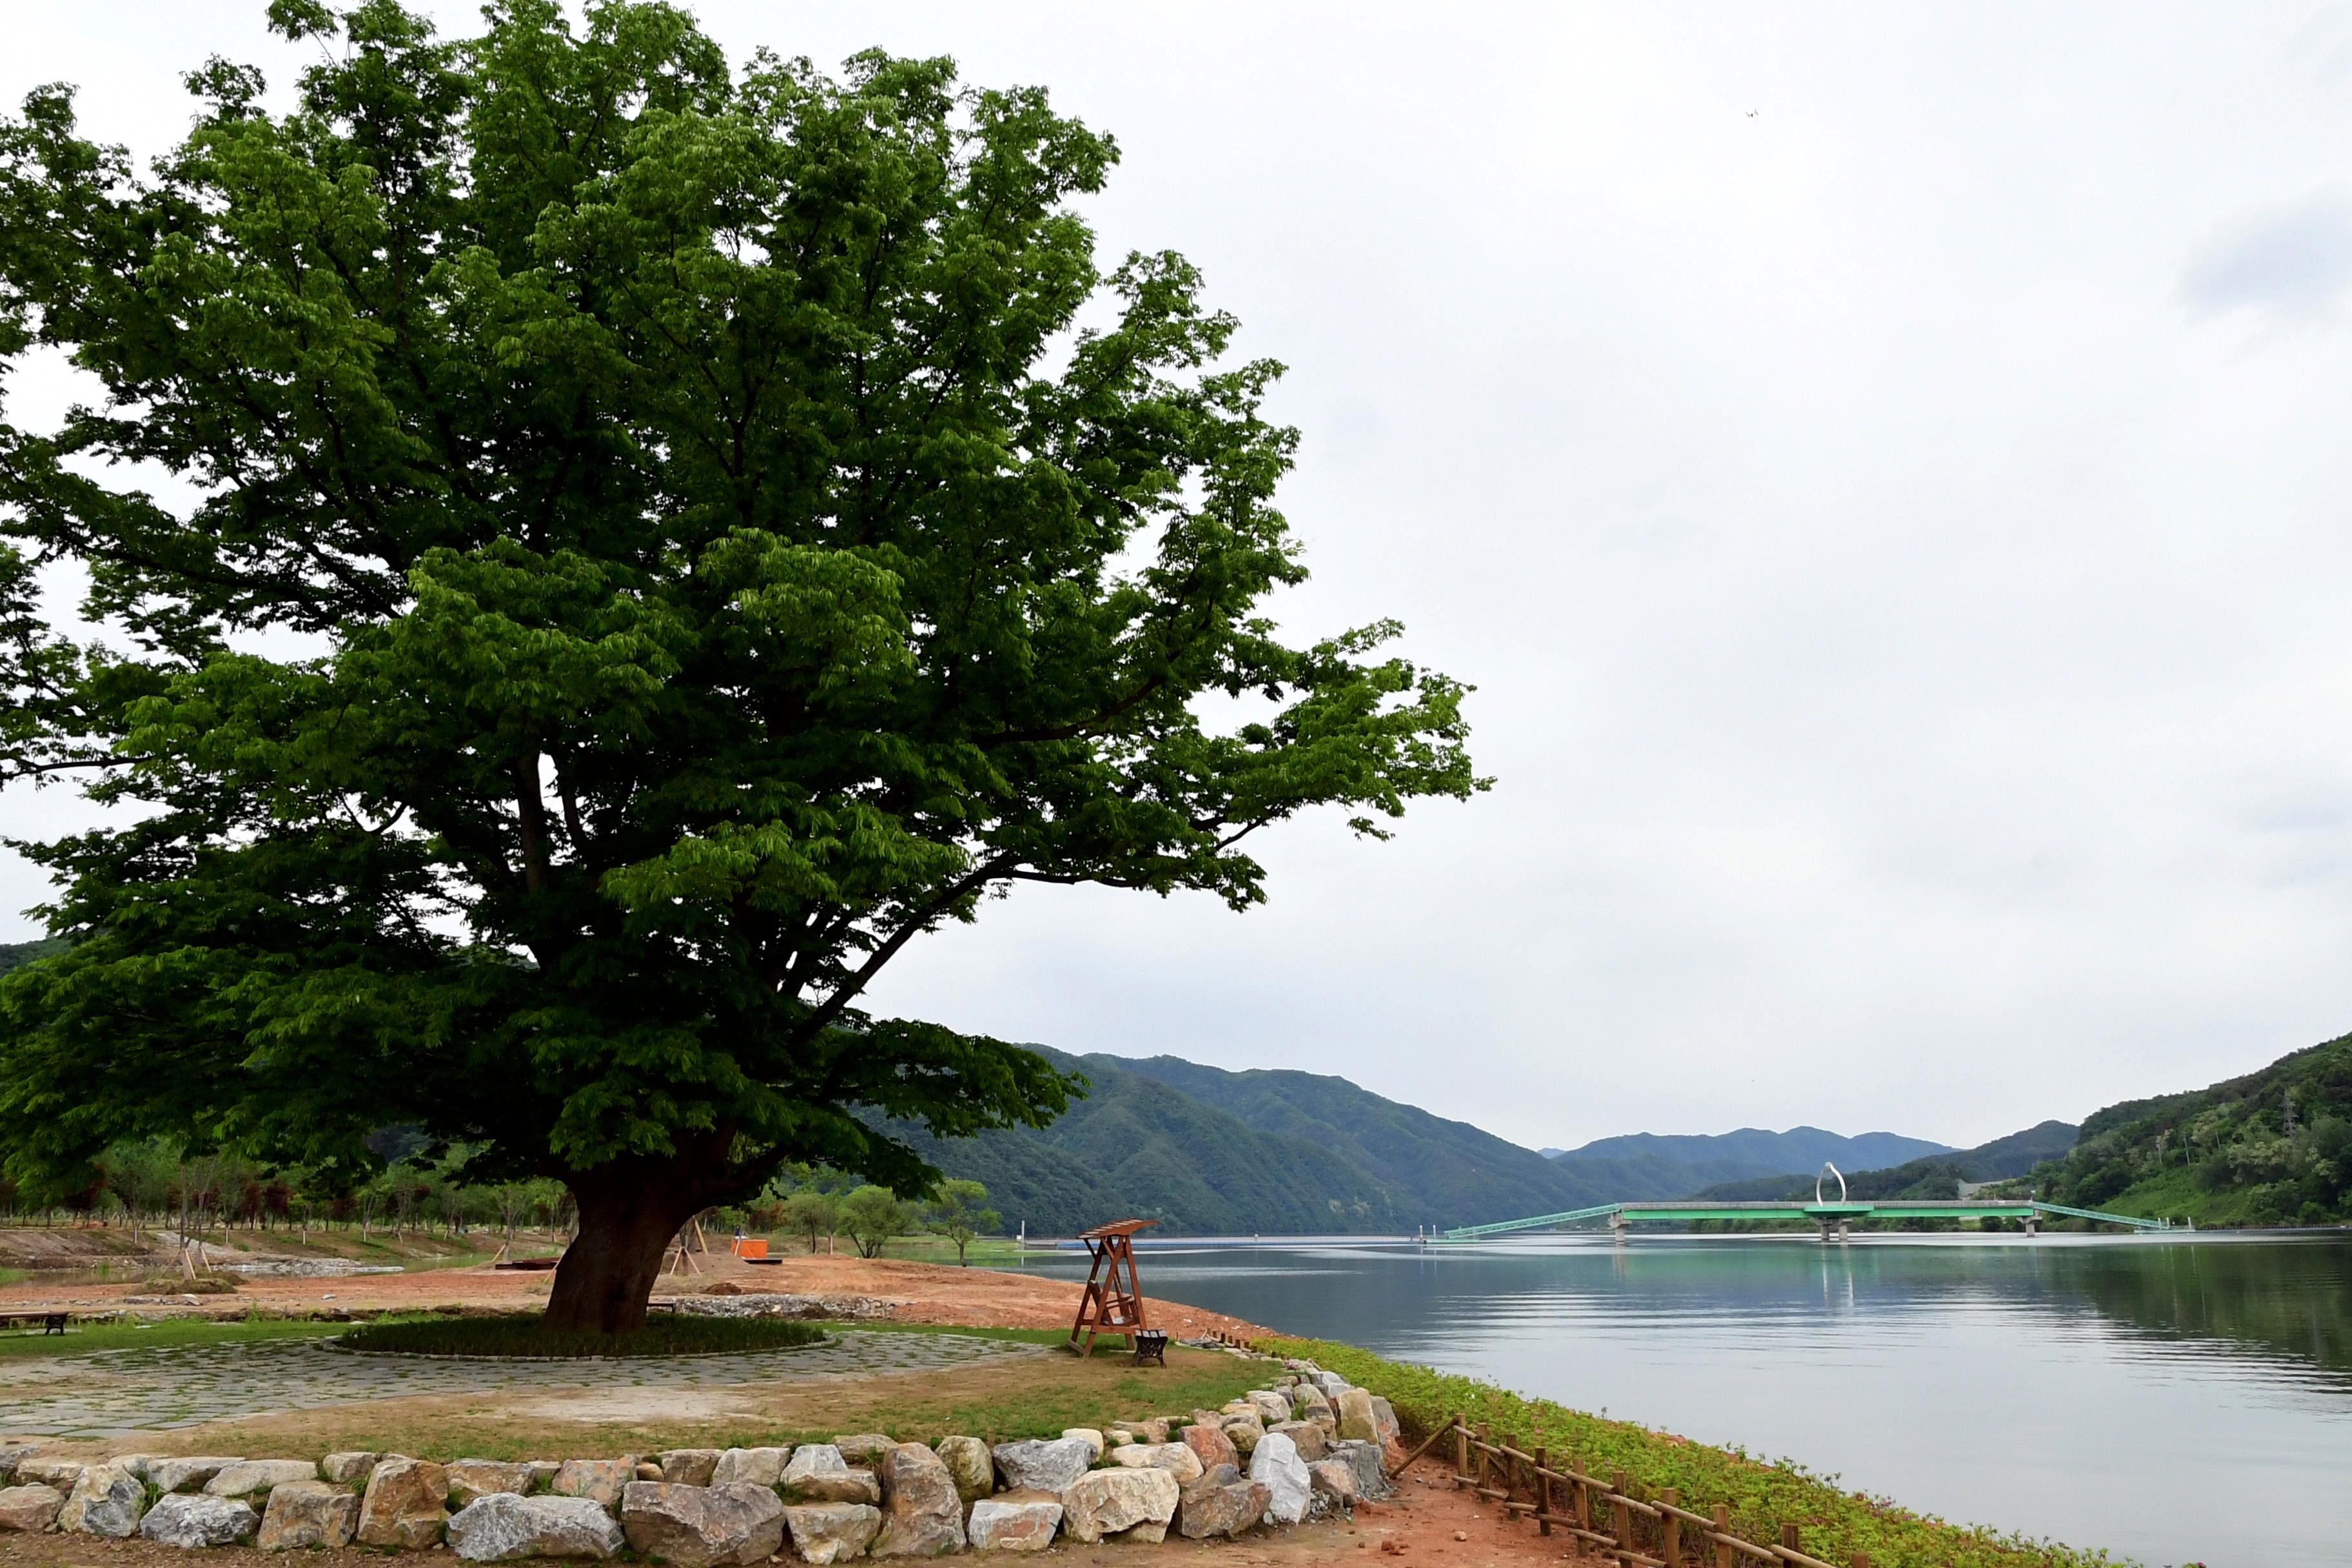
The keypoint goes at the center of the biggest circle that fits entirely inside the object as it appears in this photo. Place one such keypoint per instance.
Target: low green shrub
(1762, 1497)
(528, 1338)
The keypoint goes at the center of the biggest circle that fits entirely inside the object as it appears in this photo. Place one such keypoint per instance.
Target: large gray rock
(1091, 1437)
(749, 1467)
(59, 1473)
(1017, 1521)
(1333, 1482)
(816, 1474)
(972, 1466)
(1356, 1418)
(1133, 1505)
(700, 1527)
(402, 1504)
(1330, 1384)
(199, 1518)
(863, 1447)
(922, 1515)
(1038, 1465)
(106, 1500)
(351, 1469)
(470, 1480)
(1308, 1403)
(502, 1527)
(11, 1456)
(1177, 1458)
(31, 1507)
(181, 1474)
(688, 1467)
(1309, 1436)
(1219, 1503)
(1243, 1431)
(1384, 1417)
(1364, 1459)
(825, 1532)
(1273, 1408)
(306, 1514)
(808, 1459)
(599, 1480)
(248, 1476)
(1275, 1464)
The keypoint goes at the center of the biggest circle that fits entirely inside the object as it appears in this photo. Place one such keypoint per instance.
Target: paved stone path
(118, 1393)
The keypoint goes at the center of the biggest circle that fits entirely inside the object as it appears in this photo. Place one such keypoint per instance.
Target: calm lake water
(2171, 1400)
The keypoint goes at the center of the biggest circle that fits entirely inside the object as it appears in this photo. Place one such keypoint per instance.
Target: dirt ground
(921, 1292)
(1426, 1525)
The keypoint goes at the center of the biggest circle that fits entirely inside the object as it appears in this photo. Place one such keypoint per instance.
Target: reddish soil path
(922, 1292)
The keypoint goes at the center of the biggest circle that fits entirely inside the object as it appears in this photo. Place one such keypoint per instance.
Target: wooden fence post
(1670, 1529)
(1583, 1494)
(1461, 1453)
(1543, 1492)
(1789, 1538)
(1723, 1554)
(1621, 1517)
(1483, 1457)
(1862, 1560)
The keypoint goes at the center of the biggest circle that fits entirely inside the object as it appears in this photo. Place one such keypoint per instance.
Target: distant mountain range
(1208, 1152)
(1937, 1175)
(1642, 1165)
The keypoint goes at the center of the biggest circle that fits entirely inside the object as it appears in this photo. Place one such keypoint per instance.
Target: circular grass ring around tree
(513, 1338)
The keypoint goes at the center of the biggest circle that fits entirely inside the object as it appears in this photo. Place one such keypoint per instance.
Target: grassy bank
(1761, 1497)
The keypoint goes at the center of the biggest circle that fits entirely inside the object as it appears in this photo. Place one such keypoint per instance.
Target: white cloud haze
(1885, 469)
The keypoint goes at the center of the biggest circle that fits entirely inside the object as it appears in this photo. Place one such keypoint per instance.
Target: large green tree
(594, 552)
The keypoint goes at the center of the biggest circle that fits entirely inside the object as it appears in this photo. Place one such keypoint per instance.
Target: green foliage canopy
(663, 538)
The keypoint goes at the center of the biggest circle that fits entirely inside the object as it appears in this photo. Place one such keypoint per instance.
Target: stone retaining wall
(1309, 1444)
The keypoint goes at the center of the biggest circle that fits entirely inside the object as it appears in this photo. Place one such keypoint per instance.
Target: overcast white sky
(1885, 469)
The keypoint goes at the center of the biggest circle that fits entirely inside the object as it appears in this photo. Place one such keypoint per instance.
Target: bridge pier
(2029, 1223)
(1617, 1227)
(1837, 1232)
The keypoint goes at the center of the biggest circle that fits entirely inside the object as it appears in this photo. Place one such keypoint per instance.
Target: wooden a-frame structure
(1114, 1299)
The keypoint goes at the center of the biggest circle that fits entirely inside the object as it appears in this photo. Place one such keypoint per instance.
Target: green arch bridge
(1832, 1217)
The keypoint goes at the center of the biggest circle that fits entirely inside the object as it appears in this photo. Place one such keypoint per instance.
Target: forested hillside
(1438, 1168)
(1206, 1151)
(13, 954)
(2272, 1147)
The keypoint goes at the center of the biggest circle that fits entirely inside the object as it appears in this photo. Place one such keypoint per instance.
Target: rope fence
(1608, 1519)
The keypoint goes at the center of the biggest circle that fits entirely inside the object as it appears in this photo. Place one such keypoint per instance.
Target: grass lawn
(83, 1339)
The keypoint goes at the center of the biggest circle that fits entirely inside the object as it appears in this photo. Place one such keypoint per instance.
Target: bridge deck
(1819, 1213)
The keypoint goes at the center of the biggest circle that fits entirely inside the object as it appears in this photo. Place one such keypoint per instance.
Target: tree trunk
(630, 1212)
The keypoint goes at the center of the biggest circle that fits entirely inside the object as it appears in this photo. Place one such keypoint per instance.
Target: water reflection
(2072, 1386)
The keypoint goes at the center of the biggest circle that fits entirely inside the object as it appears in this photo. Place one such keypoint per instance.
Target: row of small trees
(816, 1206)
(151, 1183)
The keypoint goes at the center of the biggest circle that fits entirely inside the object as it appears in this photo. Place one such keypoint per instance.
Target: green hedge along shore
(1762, 1497)
(527, 1338)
